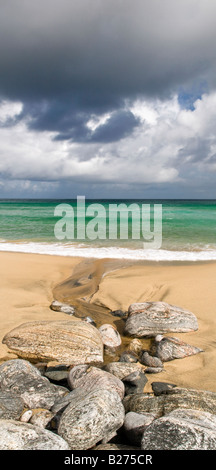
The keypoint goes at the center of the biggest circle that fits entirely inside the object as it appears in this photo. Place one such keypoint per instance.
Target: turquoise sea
(188, 229)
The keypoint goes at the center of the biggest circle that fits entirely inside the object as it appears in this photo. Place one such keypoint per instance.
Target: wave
(86, 251)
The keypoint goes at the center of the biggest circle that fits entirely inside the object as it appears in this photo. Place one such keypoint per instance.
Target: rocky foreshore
(62, 394)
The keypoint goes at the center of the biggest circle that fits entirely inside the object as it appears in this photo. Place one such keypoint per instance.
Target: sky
(108, 99)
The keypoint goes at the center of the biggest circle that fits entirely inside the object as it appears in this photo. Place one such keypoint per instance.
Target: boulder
(110, 336)
(150, 361)
(114, 446)
(135, 425)
(91, 418)
(66, 341)
(11, 405)
(181, 430)
(122, 369)
(160, 388)
(151, 318)
(128, 356)
(170, 348)
(174, 398)
(15, 435)
(25, 381)
(135, 382)
(91, 378)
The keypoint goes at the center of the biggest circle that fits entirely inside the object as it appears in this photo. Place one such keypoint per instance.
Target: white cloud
(161, 149)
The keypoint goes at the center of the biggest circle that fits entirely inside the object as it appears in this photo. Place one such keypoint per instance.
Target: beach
(30, 282)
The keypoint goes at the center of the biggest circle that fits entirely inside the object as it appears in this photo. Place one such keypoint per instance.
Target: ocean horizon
(188, 230)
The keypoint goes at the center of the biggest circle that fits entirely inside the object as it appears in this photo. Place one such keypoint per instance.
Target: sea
(118, 229)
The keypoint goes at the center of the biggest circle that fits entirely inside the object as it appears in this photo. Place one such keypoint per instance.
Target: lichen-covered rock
(151, 318)
(11, 405)
(66, 341)
(181, 430)
(15, 435)
(170, 348)
(21, 378)
(90, 418)
(90, 378)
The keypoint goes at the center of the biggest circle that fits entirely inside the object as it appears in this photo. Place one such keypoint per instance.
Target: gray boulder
(170, 348)
(26, 382)
(15, 435)
(135, 382)
(92, 378)
(11, 405)
(170, 400)
(150, 361)
(151, 318)
(135, 425)
(181, 430)
(91, 418)
(122, 369)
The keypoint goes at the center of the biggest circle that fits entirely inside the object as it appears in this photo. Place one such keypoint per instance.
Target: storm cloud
(108, 93)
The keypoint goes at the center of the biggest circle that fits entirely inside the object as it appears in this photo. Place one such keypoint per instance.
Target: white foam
(82, 250)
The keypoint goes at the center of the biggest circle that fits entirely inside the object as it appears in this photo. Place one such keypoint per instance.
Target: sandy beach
(29, 283)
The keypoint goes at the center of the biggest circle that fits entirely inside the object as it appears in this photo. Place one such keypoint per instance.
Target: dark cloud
(66, 60)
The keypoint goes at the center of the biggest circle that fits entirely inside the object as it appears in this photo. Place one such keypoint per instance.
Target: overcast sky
(108, 98)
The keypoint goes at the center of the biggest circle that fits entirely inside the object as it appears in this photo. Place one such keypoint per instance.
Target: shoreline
(29, 283)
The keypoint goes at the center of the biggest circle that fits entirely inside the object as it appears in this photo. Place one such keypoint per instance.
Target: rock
(135, 382)
(135, 346)
(24, 380)
(60, 307)
(58, 373)
(15, 435)
(173, 348)
(41, 417)
(110, 336)
(151, 318)
(11, 405)
(174, 398)
(91, 378)
(154, 370)
(160, 388)
(135, 424)
(150, 361)
(113, 446)
(128, 356)
(66, 341)
(25, 418)
(89, 320)
(91, 418)
(118, 313)
(122, 369)
(181, 430)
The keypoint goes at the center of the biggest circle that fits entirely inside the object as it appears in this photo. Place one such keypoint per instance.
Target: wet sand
(29, 283)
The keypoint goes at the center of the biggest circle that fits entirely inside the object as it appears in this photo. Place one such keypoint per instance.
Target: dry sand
(30, 282)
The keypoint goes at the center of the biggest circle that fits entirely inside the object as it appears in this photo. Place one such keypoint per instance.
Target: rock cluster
(82, 402)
